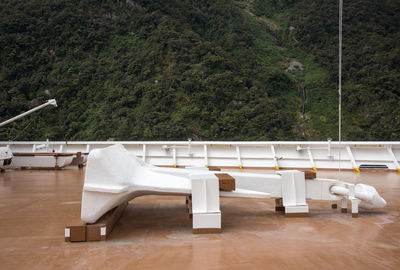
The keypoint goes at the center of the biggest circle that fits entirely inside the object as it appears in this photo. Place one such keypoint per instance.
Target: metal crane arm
(49, 102)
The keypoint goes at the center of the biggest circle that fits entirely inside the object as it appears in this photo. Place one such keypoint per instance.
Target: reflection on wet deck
(155, 231)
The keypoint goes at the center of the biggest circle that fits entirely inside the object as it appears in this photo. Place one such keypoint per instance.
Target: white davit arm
(49, 102)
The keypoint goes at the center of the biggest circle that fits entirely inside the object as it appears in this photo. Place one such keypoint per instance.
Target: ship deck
(155, 232)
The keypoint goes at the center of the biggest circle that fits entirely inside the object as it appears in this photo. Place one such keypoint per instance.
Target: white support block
(296, 209)
(199, 196)
(293, 188)
(205, 200)
(205, 192)
(207, 220)
(354, 207)
(294, 193)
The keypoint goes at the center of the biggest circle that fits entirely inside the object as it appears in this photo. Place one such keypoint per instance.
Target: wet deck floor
(155, 231)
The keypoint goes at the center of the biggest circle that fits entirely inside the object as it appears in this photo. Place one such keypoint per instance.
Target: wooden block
(334, 206)
(310, 174)
(101, 229)
(214, 169)
(279, 205)
(188, 199)
(344, 210)
(189, 204)
(93, 233)
(296, 214)
(226, 182)
(354, 215)
(190, 211)
(207, 230)
(76, 233)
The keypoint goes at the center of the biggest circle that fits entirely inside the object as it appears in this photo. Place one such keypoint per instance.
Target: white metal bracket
(396, 163)
(274, 157)
(353, 161)
(205, 155)
(238, 157)
(174, 156)
(311, 159)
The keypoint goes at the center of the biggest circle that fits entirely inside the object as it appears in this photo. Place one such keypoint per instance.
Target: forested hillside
(371, 59)
(206, 70)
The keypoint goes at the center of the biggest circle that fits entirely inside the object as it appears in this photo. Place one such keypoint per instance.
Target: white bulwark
(267, 154)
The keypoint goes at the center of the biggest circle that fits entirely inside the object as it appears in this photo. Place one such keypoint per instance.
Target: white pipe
(49, 102)
(340, 79)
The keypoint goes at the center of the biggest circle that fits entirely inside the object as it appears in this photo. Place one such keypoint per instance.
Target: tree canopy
(206, 70)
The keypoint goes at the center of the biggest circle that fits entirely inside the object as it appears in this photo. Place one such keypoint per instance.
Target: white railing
(267, 154)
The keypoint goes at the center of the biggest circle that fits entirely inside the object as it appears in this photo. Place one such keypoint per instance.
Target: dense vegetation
(207, 70)
(371, 61)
